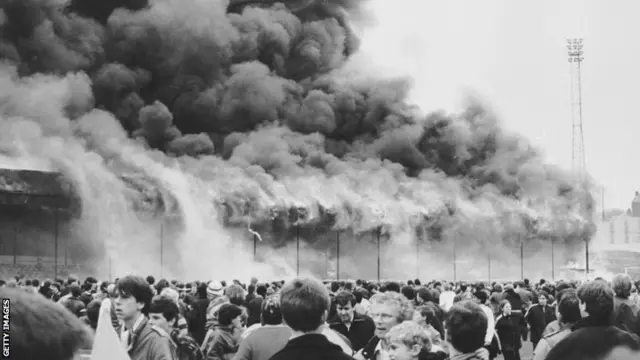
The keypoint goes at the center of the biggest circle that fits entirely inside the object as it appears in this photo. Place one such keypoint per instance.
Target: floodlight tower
(578, 158)
(576, 56)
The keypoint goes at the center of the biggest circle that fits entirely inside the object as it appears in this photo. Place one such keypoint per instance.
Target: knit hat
(215, 289)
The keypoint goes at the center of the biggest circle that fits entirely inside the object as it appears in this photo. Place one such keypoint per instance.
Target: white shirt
(381, 353)
(333, 336)
(446, 300)
(126, 333)
(491, 321)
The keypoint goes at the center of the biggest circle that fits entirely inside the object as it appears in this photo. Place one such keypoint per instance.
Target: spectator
(144, 341)
(357, 328)
(41, 329)
(387, 310)
(568, 314)
(508, 330)
(305, 304)
(265, 341)
(407, 341)
(594, 337)
(225, 338)
(625, 311)
(164, 313)
(466, 327)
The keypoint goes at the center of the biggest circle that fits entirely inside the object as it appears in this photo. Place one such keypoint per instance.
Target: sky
(513, 55)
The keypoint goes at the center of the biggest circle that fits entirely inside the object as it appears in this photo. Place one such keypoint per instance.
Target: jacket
(222, 344)
(149, 342)
(311, 347)
(360, 332)
(593, 338)
(548, 342)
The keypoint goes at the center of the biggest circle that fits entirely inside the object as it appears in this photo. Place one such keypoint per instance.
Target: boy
(305, 305)
(406, 341)
(164, 313)
(143, 341)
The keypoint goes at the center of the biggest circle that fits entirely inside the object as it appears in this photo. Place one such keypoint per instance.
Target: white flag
(106, 343)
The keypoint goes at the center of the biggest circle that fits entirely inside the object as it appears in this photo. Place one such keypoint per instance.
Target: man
(72, 302)
(568, 314)
(593, 337)
(305, 305)
(164, 313)
(215, 294)
(465, 330)
(143, 340)
(355, 327)
(482, 299)
(626, 313)
(40, 329)
(538, 317)
(526, 299)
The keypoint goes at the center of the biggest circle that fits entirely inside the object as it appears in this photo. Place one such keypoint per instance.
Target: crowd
(307, 319)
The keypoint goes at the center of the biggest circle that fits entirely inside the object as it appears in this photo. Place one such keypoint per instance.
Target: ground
(526, 353)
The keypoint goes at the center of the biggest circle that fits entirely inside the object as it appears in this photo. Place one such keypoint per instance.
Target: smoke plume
(229, 114)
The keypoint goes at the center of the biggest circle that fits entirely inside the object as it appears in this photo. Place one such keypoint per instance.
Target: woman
(508, 330)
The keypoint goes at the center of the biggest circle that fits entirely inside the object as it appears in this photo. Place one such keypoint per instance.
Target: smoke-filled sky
(278, 106)
(513, 53)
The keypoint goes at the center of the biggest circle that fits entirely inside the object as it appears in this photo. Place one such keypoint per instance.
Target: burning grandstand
(186, 127)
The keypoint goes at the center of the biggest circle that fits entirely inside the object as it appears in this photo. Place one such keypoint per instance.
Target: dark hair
(597, 296)
(304, 303)
(35, 282)
(227, 313)
(335, 286)
(481, 296)
(424, 294)
(409, 292)
(344, 297)
(75, 290)
(261, 290)
(428, 313)
(393, 286)
(138, 288)
(151, 280)
(41, 329)
(270, 312)
(162, 283)
(201, 290)
(466, 326)
(165, 306)
(569, 306)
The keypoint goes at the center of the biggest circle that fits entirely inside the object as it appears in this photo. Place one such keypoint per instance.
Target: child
(409, 341)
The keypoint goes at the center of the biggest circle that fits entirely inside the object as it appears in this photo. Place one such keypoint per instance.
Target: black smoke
(258, 89)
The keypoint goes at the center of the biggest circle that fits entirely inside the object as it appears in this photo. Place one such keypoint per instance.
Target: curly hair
(410, 334)
(399, 301)
(622, 284)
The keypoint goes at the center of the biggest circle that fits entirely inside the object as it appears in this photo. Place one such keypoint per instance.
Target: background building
(616, 245)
